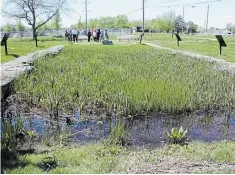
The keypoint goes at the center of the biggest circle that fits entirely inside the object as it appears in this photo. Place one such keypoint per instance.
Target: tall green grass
(125, 80)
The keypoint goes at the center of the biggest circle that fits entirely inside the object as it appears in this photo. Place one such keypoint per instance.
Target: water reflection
(142, 131)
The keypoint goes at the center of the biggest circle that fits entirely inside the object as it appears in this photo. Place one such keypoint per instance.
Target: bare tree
(32, 10)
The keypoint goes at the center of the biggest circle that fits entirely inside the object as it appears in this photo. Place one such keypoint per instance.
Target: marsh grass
(12, 129)
(123, 80)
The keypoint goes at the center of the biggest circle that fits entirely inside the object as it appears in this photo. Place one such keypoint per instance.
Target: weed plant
(126, 81)
(177, 136)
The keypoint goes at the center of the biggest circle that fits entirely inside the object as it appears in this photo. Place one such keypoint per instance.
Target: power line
(163, 2)
(196, 3)
(133, 11)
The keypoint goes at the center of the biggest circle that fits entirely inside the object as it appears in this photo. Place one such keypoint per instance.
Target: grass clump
(12, 132)
(118, 134)
(131, 80)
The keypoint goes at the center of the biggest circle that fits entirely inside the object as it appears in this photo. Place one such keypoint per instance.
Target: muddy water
(145, 130)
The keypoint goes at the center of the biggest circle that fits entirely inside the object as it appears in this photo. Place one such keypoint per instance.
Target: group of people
(96, 35)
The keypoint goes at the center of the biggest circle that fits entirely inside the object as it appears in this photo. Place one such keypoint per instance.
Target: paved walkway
(223, 65)
(13, 69)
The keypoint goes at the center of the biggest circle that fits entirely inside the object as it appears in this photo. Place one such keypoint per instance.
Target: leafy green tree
(179, 22)
(231, 27)
(106, 22)
(93, 23)
(80, 24)
(31, 10)
(46, 26)
(168, 21)
(7, 28)
(121, 21)
(20, 26)
(135, 23)
(155, 23)
(56, 22)
(194, 28)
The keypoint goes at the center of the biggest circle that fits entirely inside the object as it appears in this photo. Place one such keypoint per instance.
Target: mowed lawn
(205, 45)
(21, 47)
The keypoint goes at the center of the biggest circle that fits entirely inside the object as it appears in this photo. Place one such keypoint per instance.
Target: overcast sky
(220, 12)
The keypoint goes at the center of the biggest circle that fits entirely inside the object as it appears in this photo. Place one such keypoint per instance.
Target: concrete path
(223, 65)
(14, 68)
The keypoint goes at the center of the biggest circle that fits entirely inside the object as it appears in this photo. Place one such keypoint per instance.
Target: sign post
(4, 41)
(178, 39)
(221, 43)
(141, 37)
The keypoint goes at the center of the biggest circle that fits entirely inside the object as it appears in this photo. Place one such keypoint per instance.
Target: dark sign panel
(221, 40)
(4, 41)
(178, 37)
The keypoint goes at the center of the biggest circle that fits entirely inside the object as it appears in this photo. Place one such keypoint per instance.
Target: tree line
(45, 15)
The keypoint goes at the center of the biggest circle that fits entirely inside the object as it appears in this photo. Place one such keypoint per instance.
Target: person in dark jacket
(98, 35)
(89, 35)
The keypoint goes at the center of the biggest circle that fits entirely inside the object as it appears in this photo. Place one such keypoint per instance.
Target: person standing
(106, 34)
(92, 33)
(98, 35)
(95, 35)
(66, 35)
(89, 35)
(77, 35)
(101, 36)
(70, 36)
(74, 33)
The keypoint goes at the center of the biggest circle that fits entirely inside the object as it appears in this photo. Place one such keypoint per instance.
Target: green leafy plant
(177, 136)
(12, 132)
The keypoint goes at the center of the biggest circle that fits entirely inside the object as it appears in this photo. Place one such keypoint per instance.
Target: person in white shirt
(94, 35)
(74, 33)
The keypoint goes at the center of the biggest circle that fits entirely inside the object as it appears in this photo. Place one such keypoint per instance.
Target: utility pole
(143, 16)
(86, 12)
(183, 21)
(207, 19)
(205, 26)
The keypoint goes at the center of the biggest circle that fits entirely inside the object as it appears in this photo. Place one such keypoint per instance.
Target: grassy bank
(205, 45)
(126, 80)
(19, 47)
(100, 158)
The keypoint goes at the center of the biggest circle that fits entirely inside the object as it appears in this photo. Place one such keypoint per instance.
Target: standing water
(144, 130)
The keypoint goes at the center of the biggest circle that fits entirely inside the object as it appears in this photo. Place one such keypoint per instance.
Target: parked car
(17, 35)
